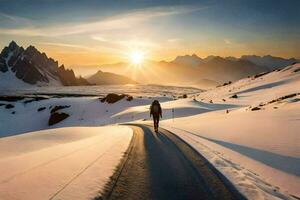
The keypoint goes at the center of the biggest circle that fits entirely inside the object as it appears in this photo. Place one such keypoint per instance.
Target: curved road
(162, 166)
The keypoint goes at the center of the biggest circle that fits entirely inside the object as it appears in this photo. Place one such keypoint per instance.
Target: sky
(94, 32)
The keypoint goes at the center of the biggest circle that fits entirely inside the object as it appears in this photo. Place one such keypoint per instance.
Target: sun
(137, 57)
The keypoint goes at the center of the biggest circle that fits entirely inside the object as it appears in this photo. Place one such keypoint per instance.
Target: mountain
(191, 69)
(187, 70)
(19, 66)
(107, 78)
(270, 61)
(222, 70)
(32, 67)
(67, 77)
(188, 60)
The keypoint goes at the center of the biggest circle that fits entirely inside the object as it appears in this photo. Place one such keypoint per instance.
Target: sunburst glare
(137, 57)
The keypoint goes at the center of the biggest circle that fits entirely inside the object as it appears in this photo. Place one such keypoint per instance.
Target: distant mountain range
(107, 78)
(270, 61)
(24, 67)
(19, 66)
(202, 72)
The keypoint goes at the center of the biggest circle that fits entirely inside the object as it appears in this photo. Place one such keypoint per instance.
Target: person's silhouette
(156, 113)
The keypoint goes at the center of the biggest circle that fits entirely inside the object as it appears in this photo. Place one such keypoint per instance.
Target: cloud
(117, 22)
(81, 47)
(174, 40)
(125, 44)
(227, 41)
(99, 38)
(21, 31)
(14, 20)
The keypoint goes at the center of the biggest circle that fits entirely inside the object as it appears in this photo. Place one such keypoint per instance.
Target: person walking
(156, 113)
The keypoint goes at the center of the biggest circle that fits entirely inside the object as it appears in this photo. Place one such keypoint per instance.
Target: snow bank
(83, 111)
(64, 163)
(231, 164)
(266, 143)
(171, 109)
(9, 80)
(257, 150)
(252, 90)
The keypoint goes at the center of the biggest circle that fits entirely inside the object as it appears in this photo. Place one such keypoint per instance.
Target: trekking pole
(173, 114)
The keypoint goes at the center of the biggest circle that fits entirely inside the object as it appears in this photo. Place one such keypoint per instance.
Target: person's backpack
(155, 108)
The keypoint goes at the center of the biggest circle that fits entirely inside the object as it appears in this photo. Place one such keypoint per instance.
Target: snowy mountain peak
(13, 45)
(32, 67)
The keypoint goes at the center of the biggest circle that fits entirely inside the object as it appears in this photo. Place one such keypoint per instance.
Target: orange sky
(86, 35)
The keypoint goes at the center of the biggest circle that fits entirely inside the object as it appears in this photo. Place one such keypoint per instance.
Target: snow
(63, 163)
(176, 109)
(254, 91)
(258, 151)
(9, 80)
(269, 148)
(232, 165)
(83, 111)
(134, 90)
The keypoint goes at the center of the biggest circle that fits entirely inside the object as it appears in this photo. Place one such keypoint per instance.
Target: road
(162, 166)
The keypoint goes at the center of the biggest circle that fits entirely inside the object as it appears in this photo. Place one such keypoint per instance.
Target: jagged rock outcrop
(57, 117)
(35, 68)
(67, 77)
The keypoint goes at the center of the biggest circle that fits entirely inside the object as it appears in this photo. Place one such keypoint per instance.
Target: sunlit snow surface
(135, 90)
(258, 150)
(64, 163)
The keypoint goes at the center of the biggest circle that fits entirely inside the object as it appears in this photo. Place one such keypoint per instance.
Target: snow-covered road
(162, 166)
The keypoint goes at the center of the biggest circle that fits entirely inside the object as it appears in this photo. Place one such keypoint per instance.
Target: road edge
(227, 183)
(111, 183)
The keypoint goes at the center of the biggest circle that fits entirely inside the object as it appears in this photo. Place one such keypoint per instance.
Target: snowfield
(84, 111)
(253, 155)
(63, 163)
(257, 150)
(249, 130)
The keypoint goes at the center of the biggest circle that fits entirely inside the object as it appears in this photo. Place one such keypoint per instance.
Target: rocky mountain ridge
(35, 68)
